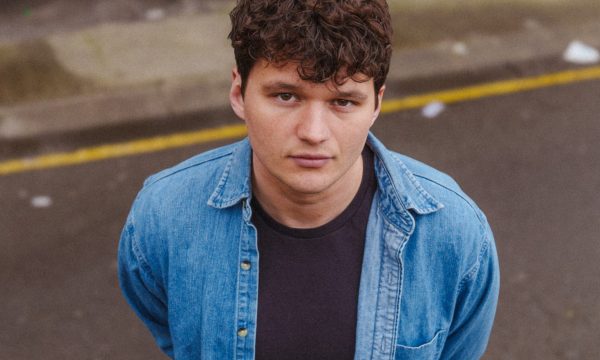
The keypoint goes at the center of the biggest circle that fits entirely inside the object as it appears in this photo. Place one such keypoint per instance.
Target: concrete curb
(117, 107)
(203, 87)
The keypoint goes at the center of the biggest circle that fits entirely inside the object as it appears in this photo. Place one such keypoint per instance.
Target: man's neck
(302, 210)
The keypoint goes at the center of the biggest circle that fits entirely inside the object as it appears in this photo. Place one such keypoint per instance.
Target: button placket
(247, 290)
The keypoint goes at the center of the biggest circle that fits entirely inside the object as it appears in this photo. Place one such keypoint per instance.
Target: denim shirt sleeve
(476, 305)
(141, 289)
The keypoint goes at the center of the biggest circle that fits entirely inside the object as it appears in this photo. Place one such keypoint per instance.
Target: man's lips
(311, 160)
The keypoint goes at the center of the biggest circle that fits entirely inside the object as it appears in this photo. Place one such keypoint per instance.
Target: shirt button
(246, 265)
(242, 332)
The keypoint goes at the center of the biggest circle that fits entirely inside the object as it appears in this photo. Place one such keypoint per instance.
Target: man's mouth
(311, 160)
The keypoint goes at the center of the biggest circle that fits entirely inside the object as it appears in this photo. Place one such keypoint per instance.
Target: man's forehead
(286, 76)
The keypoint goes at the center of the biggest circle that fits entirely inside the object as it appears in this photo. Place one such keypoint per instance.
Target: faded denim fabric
(188, 262)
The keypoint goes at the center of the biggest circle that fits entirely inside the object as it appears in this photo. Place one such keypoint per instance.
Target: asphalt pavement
(529, 159)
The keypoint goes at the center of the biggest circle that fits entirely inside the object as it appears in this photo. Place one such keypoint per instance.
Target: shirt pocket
(429, 350)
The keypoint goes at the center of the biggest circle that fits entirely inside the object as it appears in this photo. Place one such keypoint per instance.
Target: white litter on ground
(579, 53)
(155, 14)
(433, 109)
(41, 201)
(460, 48)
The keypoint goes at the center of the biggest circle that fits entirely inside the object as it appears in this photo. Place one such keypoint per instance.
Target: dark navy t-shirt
(308, 281)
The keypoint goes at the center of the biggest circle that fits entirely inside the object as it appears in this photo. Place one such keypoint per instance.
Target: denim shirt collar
(236, 181)
(397, 183)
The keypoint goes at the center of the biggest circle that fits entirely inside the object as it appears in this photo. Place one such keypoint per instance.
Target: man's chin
(309, 188)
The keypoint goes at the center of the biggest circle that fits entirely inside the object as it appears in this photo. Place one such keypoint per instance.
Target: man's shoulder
(174, 202)
(421, 181)
(187, 184)
(459, 226)
(428, 174)
(461, 216)
(198, 167)
(439, 184)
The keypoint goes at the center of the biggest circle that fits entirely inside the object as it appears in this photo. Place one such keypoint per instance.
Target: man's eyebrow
(278, 86)
(352, 95)
(284, 86)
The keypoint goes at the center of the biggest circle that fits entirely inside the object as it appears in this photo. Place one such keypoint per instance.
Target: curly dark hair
(330, 39)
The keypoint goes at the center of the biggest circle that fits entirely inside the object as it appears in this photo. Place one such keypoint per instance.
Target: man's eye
(343, 102)
(285, 96)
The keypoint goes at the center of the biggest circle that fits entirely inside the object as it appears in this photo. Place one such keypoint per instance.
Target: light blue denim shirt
(188, 262)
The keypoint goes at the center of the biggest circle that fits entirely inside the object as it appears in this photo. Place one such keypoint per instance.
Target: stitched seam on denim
(413, 181)
(475, 268)
(144, 266)
(220, 199)
(396, 300)
(443, 334)
(380, 211)
(386, 173)
(437, 335)
(240, 343)
(254, 301)
(467, 200)
(398, 304)
(222, 181)
(151, 180)
(395, 191)
(130, 224)
(423, 194)
(394, 310)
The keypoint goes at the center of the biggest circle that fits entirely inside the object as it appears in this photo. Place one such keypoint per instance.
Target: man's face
(306, 137)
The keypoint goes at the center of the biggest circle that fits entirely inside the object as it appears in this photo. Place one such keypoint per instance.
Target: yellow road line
(86, 155)
(123, 149)
(492, 89)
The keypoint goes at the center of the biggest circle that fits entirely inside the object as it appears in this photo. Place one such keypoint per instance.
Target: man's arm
(143, 293)
(476, 306)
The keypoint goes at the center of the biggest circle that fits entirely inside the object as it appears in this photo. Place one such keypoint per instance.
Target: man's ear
(379, 100)
(236, 98)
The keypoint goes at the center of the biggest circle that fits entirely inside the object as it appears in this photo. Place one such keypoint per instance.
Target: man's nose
(313, 124)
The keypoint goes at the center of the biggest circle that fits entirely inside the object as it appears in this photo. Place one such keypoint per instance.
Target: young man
(309, 239)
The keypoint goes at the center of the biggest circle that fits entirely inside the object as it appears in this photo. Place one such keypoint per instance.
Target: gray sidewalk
(115, 73)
